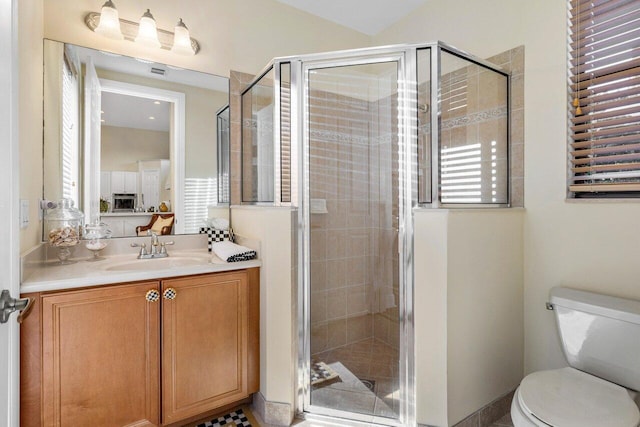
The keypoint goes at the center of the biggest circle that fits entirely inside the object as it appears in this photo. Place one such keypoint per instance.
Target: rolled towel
(218, 223)
(231, 252)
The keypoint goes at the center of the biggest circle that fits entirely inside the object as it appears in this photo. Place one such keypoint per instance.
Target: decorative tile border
(474, 118)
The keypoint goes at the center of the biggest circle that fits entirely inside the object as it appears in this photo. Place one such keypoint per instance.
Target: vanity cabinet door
(100, 353)
(207, 327)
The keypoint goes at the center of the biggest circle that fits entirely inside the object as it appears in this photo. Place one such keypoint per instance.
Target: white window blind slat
(588, 37)
(607, 167)
(603, 132)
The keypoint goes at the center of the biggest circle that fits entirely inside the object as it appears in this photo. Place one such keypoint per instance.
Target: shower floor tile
(369, 359)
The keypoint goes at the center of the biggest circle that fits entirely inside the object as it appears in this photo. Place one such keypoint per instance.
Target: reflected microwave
(124, 202)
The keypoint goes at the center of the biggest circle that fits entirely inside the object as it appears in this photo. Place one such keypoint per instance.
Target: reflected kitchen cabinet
(124, 182)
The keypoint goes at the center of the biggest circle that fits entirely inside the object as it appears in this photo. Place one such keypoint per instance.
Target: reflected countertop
(132, 213)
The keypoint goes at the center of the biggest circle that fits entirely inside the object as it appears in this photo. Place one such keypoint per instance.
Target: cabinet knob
(169, 293)
(152, 295)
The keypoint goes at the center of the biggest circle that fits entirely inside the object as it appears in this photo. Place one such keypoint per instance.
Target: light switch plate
(24, 213)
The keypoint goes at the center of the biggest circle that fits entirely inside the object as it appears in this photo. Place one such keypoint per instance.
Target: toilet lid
(568, 397)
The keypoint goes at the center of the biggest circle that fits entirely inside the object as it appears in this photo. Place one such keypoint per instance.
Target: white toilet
(601, 340)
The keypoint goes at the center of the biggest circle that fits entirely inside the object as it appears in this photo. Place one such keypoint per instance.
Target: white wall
(272, 227)
(430, 282)
(30, 30)
(483, 28)
(121, 148)
(485, 334)
(468, 310)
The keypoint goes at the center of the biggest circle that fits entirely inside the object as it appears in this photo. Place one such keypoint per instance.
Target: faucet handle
(142, 246)
(163, 249)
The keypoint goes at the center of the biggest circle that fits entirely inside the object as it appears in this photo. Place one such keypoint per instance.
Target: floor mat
(322, 373)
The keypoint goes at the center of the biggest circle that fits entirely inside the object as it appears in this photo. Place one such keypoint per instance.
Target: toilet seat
(568, 397)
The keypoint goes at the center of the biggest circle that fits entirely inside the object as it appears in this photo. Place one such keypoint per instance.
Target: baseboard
(276, 413)
(490, 413)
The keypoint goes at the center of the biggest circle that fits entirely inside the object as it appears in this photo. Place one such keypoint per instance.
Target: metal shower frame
(405, 55)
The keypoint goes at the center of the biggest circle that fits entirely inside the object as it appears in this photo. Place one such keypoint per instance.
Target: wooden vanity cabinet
(111, 356)
(205, 339)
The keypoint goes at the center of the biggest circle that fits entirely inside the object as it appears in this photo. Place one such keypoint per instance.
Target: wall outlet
(24, 213)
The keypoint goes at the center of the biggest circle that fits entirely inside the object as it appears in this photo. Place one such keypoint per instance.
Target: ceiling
(367, 16)
(152, 70)
(134, 112)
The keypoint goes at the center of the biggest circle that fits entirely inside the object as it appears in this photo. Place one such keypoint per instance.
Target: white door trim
(9, 193)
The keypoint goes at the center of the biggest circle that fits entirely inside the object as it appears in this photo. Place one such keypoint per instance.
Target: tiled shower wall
(354, 168)
(341, 238)
(474, 111)
(386, 284)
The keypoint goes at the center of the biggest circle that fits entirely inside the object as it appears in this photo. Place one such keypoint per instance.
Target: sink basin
(157, 263)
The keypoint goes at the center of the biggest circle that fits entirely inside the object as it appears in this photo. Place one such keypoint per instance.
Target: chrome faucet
(154, 242)
(157, 249)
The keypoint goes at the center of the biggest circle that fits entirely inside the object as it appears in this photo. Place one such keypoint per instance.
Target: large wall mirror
(126, 138)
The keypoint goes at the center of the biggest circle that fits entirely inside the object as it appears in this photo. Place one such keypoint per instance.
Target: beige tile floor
(368, 359)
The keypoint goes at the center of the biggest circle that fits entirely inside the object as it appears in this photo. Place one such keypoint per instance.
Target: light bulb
(109, 25)
(182, 40)
(147, 33)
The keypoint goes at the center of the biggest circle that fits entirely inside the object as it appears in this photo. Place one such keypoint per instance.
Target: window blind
(199, 194)
(285, 141)
(69, 150)
(604, 98)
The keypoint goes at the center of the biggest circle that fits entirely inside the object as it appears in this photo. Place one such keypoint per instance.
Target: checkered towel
(215, 235)
(231, 252)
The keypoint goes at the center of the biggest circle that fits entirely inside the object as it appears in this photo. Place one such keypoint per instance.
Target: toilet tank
(600, 334)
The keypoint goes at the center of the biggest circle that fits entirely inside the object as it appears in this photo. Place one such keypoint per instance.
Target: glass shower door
(354, 290)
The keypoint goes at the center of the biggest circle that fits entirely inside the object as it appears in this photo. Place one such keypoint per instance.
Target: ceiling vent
(158, 71)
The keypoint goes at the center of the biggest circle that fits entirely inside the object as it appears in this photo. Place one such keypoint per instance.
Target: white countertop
(48, 276)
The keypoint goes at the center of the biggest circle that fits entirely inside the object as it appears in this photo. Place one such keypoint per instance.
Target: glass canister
(94, 235)
(63, 225)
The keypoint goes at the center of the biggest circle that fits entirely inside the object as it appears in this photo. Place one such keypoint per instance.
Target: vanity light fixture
(145, 32)
(109, 25)
(182, 40)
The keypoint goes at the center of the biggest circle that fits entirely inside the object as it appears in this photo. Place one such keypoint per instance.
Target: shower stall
(356, 140)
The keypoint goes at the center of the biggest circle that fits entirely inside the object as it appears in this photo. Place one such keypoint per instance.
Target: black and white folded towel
(231, 252)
